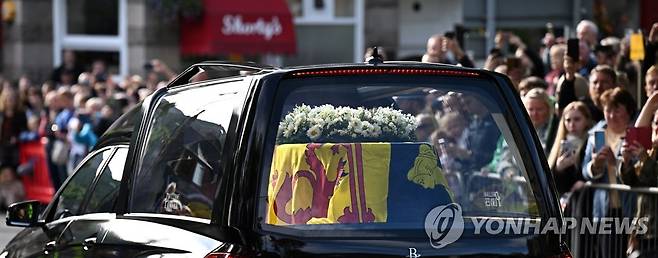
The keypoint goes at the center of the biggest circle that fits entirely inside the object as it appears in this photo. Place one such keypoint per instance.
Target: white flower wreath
(327, 123)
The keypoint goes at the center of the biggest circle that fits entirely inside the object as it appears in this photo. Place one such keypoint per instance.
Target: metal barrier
(625, 235)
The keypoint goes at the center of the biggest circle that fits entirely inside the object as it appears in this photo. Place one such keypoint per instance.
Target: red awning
(239, 27)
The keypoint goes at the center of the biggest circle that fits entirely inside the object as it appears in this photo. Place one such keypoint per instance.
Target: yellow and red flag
(348, 182)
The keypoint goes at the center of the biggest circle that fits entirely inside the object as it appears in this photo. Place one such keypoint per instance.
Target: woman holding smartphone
(640, 169)
(568, 151)
(600, 166)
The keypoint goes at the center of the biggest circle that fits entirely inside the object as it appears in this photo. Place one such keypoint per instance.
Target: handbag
(60, 152)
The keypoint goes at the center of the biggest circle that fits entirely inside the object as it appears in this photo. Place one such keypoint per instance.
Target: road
(6, 232)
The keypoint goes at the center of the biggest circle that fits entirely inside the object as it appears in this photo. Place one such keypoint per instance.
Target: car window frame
(49, 214)
(96, 180)
(138, 147)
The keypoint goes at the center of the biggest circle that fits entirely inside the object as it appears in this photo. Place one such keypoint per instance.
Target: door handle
(50, 246)
(89, 241)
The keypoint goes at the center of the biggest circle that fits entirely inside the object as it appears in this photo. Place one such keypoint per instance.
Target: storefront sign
(239, 27)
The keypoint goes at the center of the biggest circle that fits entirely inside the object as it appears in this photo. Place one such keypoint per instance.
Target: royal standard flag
(351, 182)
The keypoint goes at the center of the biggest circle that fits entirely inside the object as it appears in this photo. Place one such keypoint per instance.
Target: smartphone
(573, 49)
(599, 140)
(449, 34)
(148, 66)
(565, 147)
(641, 135)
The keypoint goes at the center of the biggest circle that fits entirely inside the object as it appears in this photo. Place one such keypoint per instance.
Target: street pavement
(6, 232)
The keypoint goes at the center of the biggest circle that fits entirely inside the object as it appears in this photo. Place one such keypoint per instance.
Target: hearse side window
(103, 198)
(180, 167)
(73, 193)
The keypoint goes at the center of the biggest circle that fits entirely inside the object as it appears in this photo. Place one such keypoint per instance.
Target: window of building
(92, 18)
(342, 19)
(91, 27)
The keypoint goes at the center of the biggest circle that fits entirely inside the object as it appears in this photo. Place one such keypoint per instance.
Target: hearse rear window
(387, 150)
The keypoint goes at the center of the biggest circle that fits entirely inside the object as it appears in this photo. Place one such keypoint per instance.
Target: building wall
(409, 34)
(27, 45)
(521, 13)
(420, 19)
(150, 35)
(27, 39)
(381, 19)
(527, 18)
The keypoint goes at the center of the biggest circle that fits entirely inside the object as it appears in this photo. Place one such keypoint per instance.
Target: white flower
(287, 133)
(328, 121)
(314, 132)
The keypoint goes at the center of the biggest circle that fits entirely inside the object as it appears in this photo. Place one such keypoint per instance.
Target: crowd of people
(64, 116)
(582, 98)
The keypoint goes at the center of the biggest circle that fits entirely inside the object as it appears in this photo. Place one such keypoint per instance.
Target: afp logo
(444, 225)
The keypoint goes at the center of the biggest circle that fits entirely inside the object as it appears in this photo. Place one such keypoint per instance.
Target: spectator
(540, 109)
(67, 73)
(649, 108)
(11, 189)
(142, 93)
(452, 102)
(494, 59)
(530, 83)
(99, 71)
(100, 90)
(99, 121)
(603, 78)
(37, 115)
(13, 122)
(571, 87)
(608, 53)
(587, 59)
(81, 137)
(530, 60)
(587, 32)
(600, 166)
(369, 51)
(449, 139)
(159, 70)
(426, 125)
(548, 41)
(85, 79)
(441, 49)
(651, 80)
(516, 70)
(24, 84)
(35, 103)
(556, 67)
(605, 55)
(568, 150)
(640, 169)
(46, 87)
(481, 132)
(411, 103)
(59, 145)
